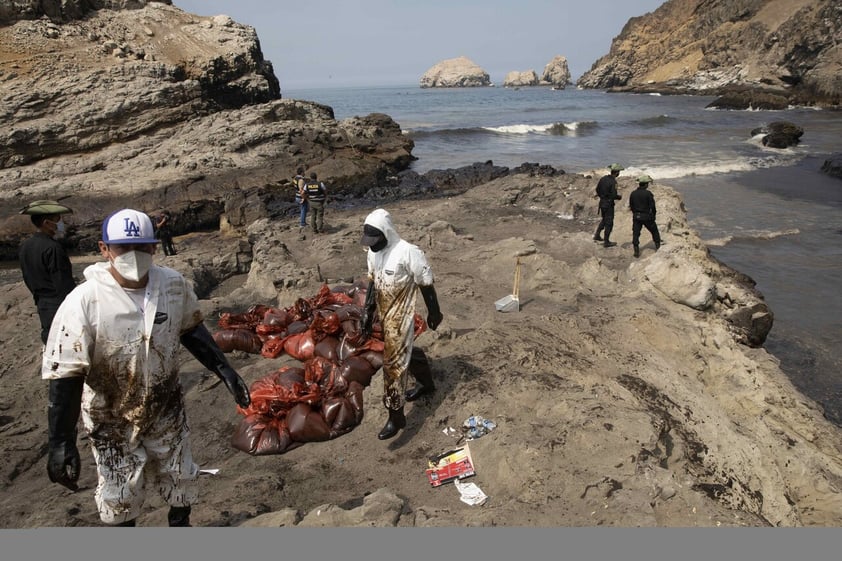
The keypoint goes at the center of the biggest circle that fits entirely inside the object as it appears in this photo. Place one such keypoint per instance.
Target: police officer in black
(46, 268)
(315, 193)
(606, 190)
(642, 206)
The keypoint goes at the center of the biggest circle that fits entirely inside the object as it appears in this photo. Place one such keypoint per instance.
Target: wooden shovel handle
(516, 289)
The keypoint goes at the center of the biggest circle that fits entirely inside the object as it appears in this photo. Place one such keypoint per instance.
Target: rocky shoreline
(626, 392)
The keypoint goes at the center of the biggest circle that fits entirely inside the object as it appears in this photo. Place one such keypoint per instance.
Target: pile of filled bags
(322, 398)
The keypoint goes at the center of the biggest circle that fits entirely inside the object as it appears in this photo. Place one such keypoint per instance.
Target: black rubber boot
(179, 516)
(396, 422)
(605, 241)
(419, 367)
(636, 251)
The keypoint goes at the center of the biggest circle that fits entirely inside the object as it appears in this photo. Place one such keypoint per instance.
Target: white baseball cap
(128, 226)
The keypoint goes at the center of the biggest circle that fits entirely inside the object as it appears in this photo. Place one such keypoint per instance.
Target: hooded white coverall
(398, 271)
(132, 402)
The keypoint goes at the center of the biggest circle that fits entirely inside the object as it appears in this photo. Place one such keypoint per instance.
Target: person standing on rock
(606, 190)
(112, 354)
(163, 231)
(315, 193)
(642, 206)
(299, 183)
(397, 270)
(44, 263)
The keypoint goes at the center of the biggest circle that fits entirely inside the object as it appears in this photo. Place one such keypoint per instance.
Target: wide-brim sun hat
(128, 226)
(45, 207)
(644, 179)
(616, 167)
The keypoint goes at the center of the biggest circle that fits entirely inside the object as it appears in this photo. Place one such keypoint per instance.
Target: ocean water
(768, 213)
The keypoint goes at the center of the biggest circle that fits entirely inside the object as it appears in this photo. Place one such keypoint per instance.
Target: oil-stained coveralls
(132, 402)
(397, 270)
(123, 343)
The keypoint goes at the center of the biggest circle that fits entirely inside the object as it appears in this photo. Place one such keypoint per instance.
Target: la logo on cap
(131, 228)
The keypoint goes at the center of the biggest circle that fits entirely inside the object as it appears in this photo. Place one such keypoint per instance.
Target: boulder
(779, 134)
(833, 166)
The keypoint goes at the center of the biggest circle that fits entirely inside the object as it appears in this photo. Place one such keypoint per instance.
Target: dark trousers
(650, 225)
(607, 222)
(317, 216)
(166, 244)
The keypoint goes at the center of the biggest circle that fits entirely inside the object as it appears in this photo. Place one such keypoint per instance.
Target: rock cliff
(789, 51)
(152, 106)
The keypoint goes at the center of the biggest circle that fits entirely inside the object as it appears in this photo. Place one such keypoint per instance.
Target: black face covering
(379, 245)
(374, 238)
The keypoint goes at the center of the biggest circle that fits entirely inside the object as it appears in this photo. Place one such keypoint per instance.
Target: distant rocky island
(459, 72)
(462, 72)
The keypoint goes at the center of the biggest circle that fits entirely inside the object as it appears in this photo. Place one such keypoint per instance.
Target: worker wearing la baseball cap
(44, 263)
(117, 336)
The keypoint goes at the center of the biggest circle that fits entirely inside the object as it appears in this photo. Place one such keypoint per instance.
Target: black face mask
(381, 243)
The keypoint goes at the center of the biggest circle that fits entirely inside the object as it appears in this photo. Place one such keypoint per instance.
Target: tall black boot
(605, 240)
(419, 367)
(396, 422)
(179, 516)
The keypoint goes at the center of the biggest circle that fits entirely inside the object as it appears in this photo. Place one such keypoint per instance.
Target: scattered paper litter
(209, 471)
(471, 494)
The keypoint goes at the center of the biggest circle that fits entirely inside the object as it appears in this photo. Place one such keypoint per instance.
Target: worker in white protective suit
(112, 353)
(397, 270)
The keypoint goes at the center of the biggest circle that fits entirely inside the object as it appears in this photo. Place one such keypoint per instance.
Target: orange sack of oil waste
(323, 398)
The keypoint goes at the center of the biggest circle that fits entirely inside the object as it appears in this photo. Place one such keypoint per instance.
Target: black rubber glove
(63, 462)
(369, 308)
(434, 315)
(201, 345)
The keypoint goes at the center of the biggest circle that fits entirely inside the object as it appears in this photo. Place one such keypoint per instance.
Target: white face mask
(60, 229)
(133, 265)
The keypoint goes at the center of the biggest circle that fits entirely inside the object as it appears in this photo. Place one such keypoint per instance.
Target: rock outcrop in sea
(555, 74)
(459, 72)
(765, 53)
(516, 78)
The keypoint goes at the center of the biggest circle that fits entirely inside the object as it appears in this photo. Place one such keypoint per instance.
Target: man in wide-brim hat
(46, 268)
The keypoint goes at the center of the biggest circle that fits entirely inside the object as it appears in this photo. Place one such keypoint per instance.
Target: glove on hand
(236, 386)
(63, 464)
(434, 315)
(434, 319)
(62, 416)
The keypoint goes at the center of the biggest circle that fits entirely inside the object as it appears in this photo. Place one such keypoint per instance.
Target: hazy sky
(321, 43)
